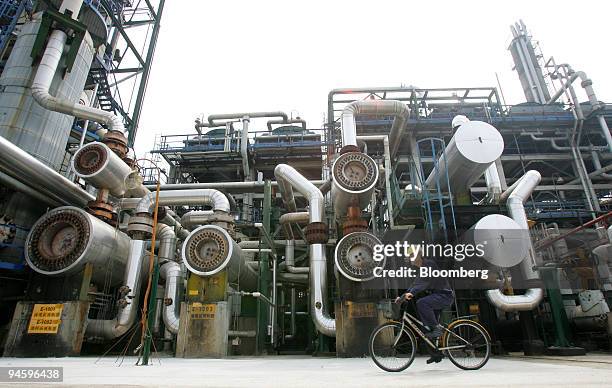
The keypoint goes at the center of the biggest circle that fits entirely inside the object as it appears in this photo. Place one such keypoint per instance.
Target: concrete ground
(303, 371)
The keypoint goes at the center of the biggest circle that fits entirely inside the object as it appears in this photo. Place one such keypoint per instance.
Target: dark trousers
(427, 306)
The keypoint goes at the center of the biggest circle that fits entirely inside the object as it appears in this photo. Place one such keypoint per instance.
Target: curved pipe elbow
(511, 303)
(42, 83)
(214, 198)
(172, 273)
(292, 178)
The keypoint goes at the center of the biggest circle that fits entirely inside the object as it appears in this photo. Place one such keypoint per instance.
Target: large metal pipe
(210, 249)
(42, 82)
(214, 119)
(207, 197)
(195, 218)
(587, 84)
(317, 255)
(102, 168)
(172, 273)
(243, 186)
(516, 209)
(516, 196)
(128, 305)
(283, 121)
(510, 303)
(67, 238)
(28, 170)
(493, 183)
(167, 242)
(375, 108)
(21, 187)
(289, 178)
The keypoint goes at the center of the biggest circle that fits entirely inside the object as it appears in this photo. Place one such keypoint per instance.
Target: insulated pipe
(213, 119)
(209, 197)
(195, 218)
(244, 148)
(24, 167)
(288, 218)
(289, 178)
(167, 242)
(493, 183)
(283, 121)
(516, 196)
(128, 305)
(597, 165)
(290, 259)
(510, 303)
(318, 261)
(374, 108)
(247, 186)
(521, 191)
(97, 164)
(587, 84)
(172, 273)
(44, 77)
(14, 184)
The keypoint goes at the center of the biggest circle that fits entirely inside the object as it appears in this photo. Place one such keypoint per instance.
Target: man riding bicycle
(439, 296)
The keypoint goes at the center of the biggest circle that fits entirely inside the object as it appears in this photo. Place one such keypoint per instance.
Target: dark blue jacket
(439, 284)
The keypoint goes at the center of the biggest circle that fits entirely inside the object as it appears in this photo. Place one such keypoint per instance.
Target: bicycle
(465, 342)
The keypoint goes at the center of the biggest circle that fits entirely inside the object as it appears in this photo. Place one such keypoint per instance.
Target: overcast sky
(236, 56)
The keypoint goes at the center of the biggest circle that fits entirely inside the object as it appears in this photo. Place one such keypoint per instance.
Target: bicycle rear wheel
(392, 348)
(469, 342)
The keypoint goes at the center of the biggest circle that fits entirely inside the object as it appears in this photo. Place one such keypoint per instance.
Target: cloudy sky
(235, 56)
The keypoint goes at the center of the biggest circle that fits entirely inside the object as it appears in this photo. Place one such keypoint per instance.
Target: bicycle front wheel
(392, 348)
(468, 343)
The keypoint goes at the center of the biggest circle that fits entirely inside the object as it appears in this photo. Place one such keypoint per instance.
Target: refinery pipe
(171, 272)
(128, 304)
(27, 169)
(317, 255)
(42, 82)
(515, 197)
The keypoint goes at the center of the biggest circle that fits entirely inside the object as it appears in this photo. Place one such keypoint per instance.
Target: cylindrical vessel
(40, 132)
(503, 242)
(472, 149)
(354, 177)
(355, 256)
(65, 239)
(209, 249)
(102, 168)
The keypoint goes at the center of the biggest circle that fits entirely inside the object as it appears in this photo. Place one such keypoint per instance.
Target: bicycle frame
(412, 322)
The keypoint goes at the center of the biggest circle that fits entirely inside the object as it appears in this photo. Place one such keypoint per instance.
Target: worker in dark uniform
(439, 296)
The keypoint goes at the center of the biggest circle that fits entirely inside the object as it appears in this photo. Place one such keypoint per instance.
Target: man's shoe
(435, 359)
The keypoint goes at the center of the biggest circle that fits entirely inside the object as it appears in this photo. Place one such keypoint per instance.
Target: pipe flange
(349, 148)
(116, 141)
(90, 159)
(355, 171)
(58, 240)
(207, 250)
(316, 233)
(140, 226)
(354, 225)
(355, 256)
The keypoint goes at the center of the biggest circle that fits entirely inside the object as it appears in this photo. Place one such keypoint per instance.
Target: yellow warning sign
(45, 319)
(203, 311)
